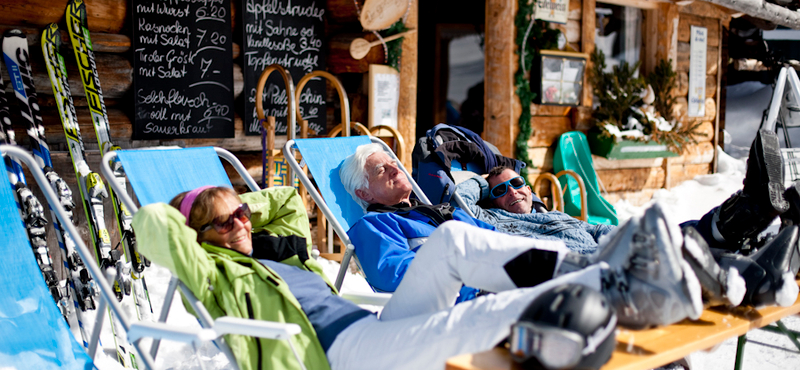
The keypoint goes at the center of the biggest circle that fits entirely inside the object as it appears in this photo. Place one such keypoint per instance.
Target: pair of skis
(77, 285)
(91, 185)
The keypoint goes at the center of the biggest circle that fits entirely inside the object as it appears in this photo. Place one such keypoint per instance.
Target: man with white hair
(396, 226)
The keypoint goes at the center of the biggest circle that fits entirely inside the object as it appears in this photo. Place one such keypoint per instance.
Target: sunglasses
(501, 189)
(242, 213)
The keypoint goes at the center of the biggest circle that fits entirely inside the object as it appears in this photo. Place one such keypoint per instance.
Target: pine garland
(620, 94)
(539, 37)
(395, 47)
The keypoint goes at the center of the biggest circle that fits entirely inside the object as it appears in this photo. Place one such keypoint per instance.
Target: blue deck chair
(34, 334)
(324, 157)
(573, 154)
(182, 170)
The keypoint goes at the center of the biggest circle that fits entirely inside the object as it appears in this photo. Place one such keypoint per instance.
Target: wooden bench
(647, 349)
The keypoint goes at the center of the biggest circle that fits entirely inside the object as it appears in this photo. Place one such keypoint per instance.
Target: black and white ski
(76, 283)
(84, 55)
(90, 184)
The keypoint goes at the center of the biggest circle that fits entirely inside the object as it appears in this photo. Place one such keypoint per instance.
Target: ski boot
(720, 286)
(647, 280)
(750, 210)
(792, 216)
(769, 272)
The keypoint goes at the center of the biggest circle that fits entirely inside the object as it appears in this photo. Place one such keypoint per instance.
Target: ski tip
(14, 32)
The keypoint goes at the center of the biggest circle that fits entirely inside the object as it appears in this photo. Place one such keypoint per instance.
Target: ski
(84, 55)
(91, 186)
(76, 284)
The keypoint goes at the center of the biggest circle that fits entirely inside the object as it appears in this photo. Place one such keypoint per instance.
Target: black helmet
(568, 327)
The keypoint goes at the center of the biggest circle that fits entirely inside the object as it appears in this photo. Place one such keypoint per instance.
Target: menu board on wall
(183, 69)
(289, 33)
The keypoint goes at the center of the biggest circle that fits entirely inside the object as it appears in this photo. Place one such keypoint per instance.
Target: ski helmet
(568, 327)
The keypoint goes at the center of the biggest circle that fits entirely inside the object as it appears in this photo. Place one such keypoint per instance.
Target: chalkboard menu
(183, 69)
(289, 33)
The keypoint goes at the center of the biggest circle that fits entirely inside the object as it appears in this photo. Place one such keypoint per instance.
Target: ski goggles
(555, 348)
(242, 213)
(501, 189)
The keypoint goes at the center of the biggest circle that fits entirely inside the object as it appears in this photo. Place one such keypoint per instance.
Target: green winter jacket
(229, 283)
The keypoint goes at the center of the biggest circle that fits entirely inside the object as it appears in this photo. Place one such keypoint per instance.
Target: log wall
(110, 29)
(668, 27)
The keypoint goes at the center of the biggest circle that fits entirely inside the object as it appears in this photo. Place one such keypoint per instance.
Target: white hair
(353, 174)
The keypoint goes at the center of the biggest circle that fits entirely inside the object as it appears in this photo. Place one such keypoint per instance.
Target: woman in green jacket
(225, 249)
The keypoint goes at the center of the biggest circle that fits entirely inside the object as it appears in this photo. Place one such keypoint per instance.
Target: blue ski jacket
(579, 236)
(385, 244)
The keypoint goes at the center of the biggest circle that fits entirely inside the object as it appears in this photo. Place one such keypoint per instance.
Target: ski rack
(139, 330)
(107, 296)
(202, 314)
(784, 109)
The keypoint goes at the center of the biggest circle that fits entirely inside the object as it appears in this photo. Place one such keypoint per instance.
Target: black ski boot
(749, 211)
(792, 216)
(721, 287)
(770, 272)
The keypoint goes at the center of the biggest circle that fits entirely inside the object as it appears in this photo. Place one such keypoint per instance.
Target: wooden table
(647, 349)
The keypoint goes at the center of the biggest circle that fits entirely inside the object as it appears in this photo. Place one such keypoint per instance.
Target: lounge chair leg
(740, 353)
(789, 333)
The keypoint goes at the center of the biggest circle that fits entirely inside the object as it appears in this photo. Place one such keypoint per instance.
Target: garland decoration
(532, 36)
(394, 48)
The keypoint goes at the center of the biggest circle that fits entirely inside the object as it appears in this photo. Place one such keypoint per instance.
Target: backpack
(445, 149)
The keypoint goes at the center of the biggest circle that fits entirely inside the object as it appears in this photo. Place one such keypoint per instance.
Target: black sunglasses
(242, 213)
(502, 188)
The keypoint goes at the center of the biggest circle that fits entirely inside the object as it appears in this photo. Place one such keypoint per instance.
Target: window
(619, 34)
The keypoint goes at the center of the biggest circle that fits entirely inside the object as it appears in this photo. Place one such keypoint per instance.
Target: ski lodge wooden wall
(109, 25)
(666, 31)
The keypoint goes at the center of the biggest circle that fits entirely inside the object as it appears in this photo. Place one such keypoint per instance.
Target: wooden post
(269, 126)
(407, 107)
(501, 104)
(667, 26)
(588, 24)
(715, 162)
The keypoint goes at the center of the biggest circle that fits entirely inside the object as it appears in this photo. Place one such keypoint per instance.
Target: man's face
(515, 200)
(388, 185)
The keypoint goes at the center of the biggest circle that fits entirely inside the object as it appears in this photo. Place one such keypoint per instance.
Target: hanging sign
(697, 72)
(555, 11)
(183, 69)
(289, 33)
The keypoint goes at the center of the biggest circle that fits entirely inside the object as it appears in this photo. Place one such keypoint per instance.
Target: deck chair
(35, 334)
(182, 170)
(572, 153)
(323, 157)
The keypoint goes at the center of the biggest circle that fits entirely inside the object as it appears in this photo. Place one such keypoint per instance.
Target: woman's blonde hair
(202, 212)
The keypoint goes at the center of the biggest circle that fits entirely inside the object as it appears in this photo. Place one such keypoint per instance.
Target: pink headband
(188, 201)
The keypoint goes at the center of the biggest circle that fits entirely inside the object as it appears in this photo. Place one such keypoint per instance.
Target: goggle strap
(593, 341)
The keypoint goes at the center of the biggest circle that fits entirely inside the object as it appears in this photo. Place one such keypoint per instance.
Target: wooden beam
(407, 109)
(718, 96)
(667, 29)
(641, 4)
(501, 104)
(587, 46)
(764, 10)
